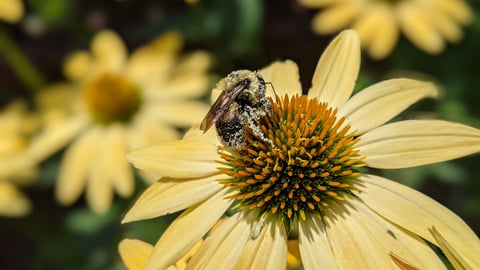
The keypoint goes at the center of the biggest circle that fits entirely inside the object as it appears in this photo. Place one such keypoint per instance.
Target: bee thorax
(241, 104)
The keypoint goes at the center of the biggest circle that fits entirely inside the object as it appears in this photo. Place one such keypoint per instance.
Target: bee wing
(221, 105)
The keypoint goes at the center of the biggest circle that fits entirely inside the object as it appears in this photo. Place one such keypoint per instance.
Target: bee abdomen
(231, 132)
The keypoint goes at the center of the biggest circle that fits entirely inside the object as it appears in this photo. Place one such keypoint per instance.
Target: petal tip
(351, 36)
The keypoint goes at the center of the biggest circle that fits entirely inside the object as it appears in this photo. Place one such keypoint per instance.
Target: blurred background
(237, 34)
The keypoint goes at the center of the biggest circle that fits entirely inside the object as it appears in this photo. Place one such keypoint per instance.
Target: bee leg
(254, 115)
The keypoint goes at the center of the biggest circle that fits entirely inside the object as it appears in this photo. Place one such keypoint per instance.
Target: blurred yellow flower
(135, 254)
(16, 127)
(426, 23)
(11, 10)
(119, 103)
(302, 178)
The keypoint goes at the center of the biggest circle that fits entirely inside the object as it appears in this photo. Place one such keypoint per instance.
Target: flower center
(112, 98)
(305, 163)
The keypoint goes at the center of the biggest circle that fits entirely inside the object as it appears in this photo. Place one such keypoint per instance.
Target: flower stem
(24, 69)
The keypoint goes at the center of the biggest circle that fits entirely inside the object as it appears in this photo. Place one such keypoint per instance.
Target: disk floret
(305, 163)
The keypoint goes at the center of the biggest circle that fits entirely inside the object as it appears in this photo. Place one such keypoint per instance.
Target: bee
(241, 104)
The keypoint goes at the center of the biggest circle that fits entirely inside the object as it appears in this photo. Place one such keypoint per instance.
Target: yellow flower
(115, 103)
(13, 203)
(135, 254)
(302, 177)
(16, 128)
(11, 10)
(426, 23)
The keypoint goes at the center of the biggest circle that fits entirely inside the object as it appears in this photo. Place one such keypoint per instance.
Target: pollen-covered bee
(241, 104)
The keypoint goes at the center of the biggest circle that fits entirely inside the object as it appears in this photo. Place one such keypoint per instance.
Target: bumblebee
(241, 104)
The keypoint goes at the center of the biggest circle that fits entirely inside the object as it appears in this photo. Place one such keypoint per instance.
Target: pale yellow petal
(59, 98)
(197, 62)
(134, 253)
(401, 262)
(149, 179)
(284, 78)
(335, 18)
(99, 190)
(453, 257)
(150, 70)
(267, 251)
(389, 97)
(182, 263)
(417, 28)
(187, 85)
(109, 51)
(195, 134)
(366, 25)
(19, 169)
(378, 30)
(11, 144)
(55, 137)
(13, 203)
(417, 213)
(75, 167)
(11, 11)
(169, 42)
(392, 239)
(177, 159)
(186, 230)
(351, 244)
(152, 64)
(457, 9)
(16, 127)
(337, 70)
(417, 142)
(447, 27)
(146, 131)
(314, 244)
(179, 113)
(223, 247)
(77, 65)
(168, 196)
(116, 165)
(385, 39)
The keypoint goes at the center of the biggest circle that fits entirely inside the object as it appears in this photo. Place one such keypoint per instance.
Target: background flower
(11, 10)
(115, 103)
(428, 24)
(16, 127)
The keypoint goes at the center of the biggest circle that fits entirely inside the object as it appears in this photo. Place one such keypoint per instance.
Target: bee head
(252, 87)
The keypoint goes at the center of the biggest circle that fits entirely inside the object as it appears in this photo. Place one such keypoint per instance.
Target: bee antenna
(273, 88)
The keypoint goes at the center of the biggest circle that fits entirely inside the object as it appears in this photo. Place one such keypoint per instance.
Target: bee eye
(260, 79)
(244, 98)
